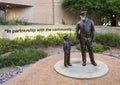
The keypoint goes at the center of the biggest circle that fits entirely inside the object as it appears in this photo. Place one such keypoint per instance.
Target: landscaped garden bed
(27, 50)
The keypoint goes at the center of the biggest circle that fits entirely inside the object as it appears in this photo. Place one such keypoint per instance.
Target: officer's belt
(86, 35)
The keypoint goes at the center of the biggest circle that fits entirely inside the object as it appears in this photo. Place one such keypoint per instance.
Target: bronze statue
(67, 47)
(85, 34)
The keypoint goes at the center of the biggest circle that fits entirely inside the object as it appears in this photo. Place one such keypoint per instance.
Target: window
(2, 12)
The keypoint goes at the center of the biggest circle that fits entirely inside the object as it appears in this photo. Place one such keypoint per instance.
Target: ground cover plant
(22, 57)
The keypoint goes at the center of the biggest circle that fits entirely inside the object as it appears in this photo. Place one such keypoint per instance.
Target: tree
(106, 8)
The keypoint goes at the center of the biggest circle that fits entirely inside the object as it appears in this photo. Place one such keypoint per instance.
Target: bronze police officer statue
(85, 34)
(67, 47)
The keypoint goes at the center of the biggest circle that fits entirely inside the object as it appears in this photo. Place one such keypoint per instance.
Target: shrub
(13, 22)
(56, 39)
(51, 40)
(17, 22)
(22, 57)
(37, 41)
(5, 45)
(3, 21)
(96, 47)
(20, 43)
(107, 39)
(110, 39)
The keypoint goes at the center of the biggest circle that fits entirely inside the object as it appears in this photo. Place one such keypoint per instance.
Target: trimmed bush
(96, 47)
(109, 39)
(57, 39)
(20, 43)
(5, 45)
(22, 57)
(51, 40)
(3, 21)
(37, 42)
(13, 22)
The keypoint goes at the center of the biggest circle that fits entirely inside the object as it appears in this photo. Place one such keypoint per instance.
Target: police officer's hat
(83, 13)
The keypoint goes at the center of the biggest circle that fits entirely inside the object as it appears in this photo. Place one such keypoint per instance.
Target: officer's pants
(86, 43)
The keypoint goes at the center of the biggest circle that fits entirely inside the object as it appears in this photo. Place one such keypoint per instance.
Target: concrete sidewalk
(43, 73)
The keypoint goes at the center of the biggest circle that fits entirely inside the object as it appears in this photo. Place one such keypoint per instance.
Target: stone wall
(12, 31)
(105, 29)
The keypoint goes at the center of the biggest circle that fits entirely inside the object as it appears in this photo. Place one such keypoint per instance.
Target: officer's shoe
(94, 63)
(69, 64)
(66, 66)
(84, 64)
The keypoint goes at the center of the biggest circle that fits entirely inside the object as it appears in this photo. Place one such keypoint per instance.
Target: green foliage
(109, 39)
(96, 47)
(3, 21)
(20, 43)
(78, 46)
(104, 7)
(6, 45)
(99, 47)
(13, 22)
(76, 5)
(51, 40)
(38, 41)
(57, 39)
(22, 57)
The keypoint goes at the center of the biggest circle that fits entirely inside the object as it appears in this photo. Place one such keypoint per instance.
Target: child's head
(65, 37)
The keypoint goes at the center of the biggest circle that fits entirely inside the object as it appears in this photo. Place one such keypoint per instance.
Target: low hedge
(108, 39)
(96, 47)
(7, 45)
(22, 57)
(57, 39)
(13, 22)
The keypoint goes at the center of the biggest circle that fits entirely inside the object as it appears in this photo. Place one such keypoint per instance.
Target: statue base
(81, 72)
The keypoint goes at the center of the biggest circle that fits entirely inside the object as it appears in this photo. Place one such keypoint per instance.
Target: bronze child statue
(67, 47)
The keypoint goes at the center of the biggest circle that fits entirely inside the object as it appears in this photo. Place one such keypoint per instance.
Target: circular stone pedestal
(83, 72)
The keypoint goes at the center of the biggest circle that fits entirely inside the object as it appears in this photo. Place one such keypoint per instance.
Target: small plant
(5, 45)
(51, 40)
(3, 21)
(22, 57)
(13, 22)
(37, 41)
(109, 39)
(56, 39)
(96, 47)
